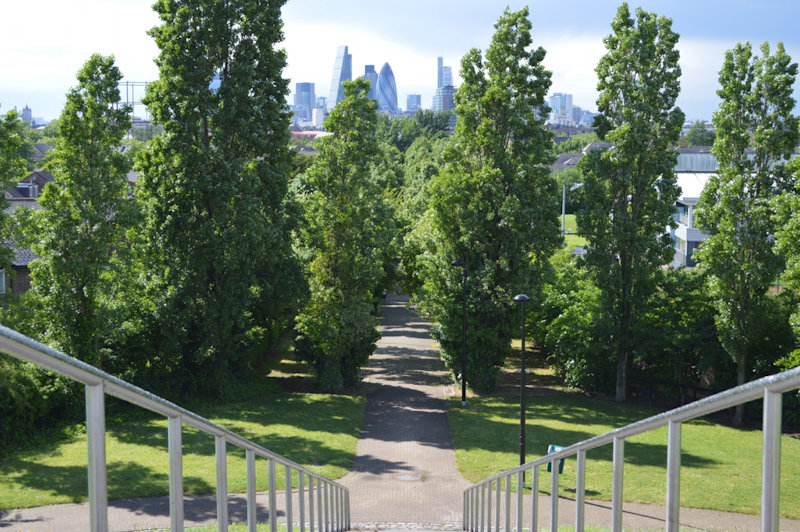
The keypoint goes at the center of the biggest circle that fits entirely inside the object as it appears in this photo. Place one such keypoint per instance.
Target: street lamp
(575, 186)
(522, 298)
(459, 264)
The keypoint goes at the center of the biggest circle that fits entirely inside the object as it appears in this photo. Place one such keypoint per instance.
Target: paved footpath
(404, 475)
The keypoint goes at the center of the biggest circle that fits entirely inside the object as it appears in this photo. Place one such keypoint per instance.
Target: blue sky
(42, 49)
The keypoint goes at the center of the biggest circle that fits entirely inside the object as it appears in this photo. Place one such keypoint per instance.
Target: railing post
(301, 503)
(273, 499)
(288, 494)
(580, 491)
(508, 503)
(520, 493)
(310, 504)
(616, 493)
(554, 495)
(320, 507)
(483, 504)
(220, 452)
(175, 447)
(96, 439)
(497, 506)
(673, 476)
(489, 507)
(326, 512)
(771, 461)
(252, 516)
(534, 498)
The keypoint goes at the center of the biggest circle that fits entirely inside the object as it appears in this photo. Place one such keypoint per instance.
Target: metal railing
(323, 505)
(478, 497)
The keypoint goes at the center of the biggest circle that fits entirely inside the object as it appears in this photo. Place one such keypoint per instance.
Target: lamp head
(457, 264)
(521, 298)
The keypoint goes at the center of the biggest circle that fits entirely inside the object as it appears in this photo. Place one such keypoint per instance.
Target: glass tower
(387, 90)
(372, 76)
(304, 100)
(342, 71)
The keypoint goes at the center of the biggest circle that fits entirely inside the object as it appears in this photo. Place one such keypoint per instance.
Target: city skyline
(42, 53)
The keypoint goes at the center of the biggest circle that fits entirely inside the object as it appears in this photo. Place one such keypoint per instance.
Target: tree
(80, 230)
(494, 205)
(218, 248)
(735, 207)
(630, 190)
(700, 135)
(345, 231)
(12, 168)
(787, 238)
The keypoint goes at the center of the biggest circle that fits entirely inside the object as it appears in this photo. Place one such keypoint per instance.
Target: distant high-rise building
(577, 114)
(372, 76)
(413, 103)
(447, 76)
(27, 115)
(342, 71)
(443, 99)
(560, 108)
(387, 90)
(322, 102)
(318, 116)
(304, 101)
(444, 74)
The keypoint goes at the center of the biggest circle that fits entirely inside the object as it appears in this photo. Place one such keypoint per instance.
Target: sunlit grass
(721, 466)
(317, 431)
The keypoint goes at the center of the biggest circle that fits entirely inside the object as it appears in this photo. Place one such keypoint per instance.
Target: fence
(330, 512)
(478, 497)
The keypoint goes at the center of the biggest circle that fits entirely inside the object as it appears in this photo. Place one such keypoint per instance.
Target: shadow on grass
(124, 479)
(477, 427)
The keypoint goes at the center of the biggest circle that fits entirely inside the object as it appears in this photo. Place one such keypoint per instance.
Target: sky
(43, 48)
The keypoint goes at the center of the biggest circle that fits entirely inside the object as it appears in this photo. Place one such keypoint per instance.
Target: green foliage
(12, 169)
(631, 190)
(348, 226)
(787, 238)
(79, 232)
(217, 259)
(493, 205)
(402, 132)
(146, 133)
(736, 208)
(700, 135)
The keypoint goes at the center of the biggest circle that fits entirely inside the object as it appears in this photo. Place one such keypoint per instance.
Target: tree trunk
(741, 374)
(622, 377)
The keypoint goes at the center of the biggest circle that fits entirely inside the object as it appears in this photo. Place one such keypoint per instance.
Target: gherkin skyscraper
(387, 90)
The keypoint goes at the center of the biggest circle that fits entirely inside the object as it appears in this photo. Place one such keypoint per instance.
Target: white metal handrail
(332, 502)
(478, 497)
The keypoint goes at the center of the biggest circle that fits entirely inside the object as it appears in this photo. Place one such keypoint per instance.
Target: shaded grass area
(721, 466)
(571, 238)
(315, 430)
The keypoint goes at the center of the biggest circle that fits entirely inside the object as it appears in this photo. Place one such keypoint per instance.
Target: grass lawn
(721, 466)
(317, 431)
(573, 240)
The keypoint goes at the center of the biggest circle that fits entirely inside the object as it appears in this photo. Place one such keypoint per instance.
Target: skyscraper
(413, 103)
(342, 71)
(372, 76)
(560, 108)
(439, 65)
(447, 76)
(387, 90)
(27, 115)
(304, 101)
(443, 99)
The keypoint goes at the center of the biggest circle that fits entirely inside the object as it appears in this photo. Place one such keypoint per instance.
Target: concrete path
(405, 467)
(404, 474)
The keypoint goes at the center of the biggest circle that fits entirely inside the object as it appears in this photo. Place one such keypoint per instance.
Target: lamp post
(575, 186)
(522, 298)
(459, 264)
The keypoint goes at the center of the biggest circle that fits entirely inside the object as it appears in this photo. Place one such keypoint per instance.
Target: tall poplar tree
(344, 236)
(494, 205)
(12, 168)
(756, 130)
(630, 189)
(80, 229)
(214, 185)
